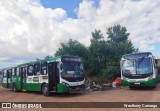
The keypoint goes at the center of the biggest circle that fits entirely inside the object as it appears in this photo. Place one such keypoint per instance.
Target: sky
(31, 29)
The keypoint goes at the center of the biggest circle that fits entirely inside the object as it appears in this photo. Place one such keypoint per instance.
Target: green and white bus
(60, 74)
(139, 69)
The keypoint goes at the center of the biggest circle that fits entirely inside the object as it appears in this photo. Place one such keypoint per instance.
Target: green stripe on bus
(33, 86)
(62, 88)
(146, 83)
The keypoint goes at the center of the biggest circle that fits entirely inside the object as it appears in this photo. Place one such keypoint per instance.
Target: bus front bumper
(63, 88)
(151, 82)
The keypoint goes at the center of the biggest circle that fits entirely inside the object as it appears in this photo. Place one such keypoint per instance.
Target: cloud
(139, 17)
(29, 31)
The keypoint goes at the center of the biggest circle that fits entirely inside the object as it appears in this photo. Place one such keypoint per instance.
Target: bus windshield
(72, 69)
(137, 66)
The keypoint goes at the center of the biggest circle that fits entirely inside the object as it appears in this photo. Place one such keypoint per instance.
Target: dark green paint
(62, 88)
(33, 86)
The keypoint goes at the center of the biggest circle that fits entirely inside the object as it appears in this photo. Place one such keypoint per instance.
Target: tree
(119, 42)
(119, 45)
(74, 48)
(103, 56)
(97, 52)
(48, 56)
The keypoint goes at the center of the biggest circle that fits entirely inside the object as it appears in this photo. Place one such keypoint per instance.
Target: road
(115, 95)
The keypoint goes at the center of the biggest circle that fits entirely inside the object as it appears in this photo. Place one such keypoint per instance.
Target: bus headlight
(150, 77)
(65, 84)
(124, 78)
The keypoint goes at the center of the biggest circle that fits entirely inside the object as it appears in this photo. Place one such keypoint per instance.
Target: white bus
(60, 74)
(139, 69)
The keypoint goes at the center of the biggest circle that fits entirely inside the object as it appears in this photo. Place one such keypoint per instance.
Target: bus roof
(48, 59)
(42, 60)
(137, 55)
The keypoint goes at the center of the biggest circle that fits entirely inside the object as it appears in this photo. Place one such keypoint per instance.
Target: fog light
(67, 85)
(150, 77)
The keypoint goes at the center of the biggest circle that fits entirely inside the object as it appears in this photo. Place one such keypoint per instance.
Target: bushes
(111, 72)
(101, 59)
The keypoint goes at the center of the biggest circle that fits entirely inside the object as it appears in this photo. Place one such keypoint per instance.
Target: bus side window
(9, 73)
(24, 71)
(30, 70)
(44, 68)
(17, 71)
(37, 69)
(13, 72)
(4, 73)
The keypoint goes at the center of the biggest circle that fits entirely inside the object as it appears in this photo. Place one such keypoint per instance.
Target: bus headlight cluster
(124, 78)
(150, 77)
(65, 84)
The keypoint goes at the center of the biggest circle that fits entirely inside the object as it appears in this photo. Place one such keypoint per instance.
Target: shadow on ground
(71, 94)
(145, 88)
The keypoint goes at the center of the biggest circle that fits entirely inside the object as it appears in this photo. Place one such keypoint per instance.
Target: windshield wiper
(140, 60)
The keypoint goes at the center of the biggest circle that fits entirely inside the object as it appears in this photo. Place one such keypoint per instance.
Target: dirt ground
(114, 95)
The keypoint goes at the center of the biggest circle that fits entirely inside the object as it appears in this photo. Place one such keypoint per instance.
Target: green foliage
(98, 51)
(48, 56)
(74, 48)
(119, 45)
(94, 52)
(102, 57)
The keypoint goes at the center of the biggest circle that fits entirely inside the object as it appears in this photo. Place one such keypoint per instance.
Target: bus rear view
(139, 69)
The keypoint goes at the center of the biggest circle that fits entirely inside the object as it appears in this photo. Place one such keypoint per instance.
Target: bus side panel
(125, 83)
(62, 88)
(34, 83)
(4, 82)
(33, 86)
(15, 80)
(152, 82)
(18, 83)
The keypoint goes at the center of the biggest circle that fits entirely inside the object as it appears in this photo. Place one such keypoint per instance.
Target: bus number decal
(29, 79)
(35, 79)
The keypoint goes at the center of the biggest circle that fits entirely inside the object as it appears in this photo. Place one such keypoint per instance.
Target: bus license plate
(77, 88)
(137, 83)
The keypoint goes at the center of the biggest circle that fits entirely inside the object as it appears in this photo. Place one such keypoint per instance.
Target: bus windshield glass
(72, 68)
(137, 66)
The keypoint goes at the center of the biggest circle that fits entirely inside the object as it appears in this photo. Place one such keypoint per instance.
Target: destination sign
(72, 59)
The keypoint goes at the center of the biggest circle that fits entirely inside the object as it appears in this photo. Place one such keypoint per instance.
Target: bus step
(52, 91)
(24, 90)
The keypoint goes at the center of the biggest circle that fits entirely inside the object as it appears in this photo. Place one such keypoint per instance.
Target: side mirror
(61, 66)
(121, 62)
(157, 61)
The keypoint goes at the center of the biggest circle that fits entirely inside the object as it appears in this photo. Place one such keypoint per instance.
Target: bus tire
(152, 87)
(131, 87)
(14, 88)
(45, 90)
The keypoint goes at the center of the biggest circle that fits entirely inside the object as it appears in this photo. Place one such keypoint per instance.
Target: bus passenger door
(23, 77)
(9, 78)
(53, 75)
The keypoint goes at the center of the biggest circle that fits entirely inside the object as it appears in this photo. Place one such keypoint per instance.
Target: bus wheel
(131, 87)
(14, 88)
(152, 87)
(45, 90)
